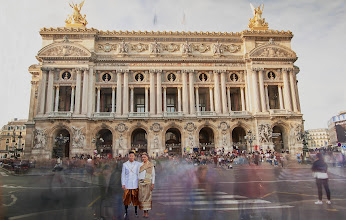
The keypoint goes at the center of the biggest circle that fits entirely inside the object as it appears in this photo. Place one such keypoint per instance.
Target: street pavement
(182, 191)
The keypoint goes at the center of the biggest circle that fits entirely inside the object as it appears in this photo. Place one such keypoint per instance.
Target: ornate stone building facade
(113, 91)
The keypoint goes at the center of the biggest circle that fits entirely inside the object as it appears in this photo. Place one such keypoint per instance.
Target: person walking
(319, 169)
(129, 182)
(146, 176)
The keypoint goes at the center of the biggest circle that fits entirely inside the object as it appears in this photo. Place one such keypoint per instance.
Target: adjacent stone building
(12, 136)
(112, 91)
(318, 138)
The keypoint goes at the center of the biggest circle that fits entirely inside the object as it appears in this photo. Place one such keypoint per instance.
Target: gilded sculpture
(257, 22)
(76, 19)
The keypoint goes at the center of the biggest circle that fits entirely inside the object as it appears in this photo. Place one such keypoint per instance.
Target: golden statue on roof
(76, 19)
(257, 22)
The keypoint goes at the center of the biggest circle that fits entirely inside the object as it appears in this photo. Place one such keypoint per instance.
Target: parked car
(8, 164)
(21, 166)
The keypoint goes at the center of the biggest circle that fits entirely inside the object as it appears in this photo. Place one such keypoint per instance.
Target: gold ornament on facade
(257, 22)
(76, 19)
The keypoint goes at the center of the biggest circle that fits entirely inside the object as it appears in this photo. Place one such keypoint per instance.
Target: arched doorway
(61, 146)
(104, 143)
(139, 140)
(173, 141)
(278, 138)
(238, 138)
(206, 141)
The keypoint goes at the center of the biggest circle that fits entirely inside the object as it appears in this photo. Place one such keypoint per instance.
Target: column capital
(287, 69)
(44, 68)
(164, 87)
(265, 85)
(147, 87)
(132, 87)
(114, 87)
(57, 86)
(122, 71)
(98, 87)
(73, 86)
(257, 69)
(155, 71)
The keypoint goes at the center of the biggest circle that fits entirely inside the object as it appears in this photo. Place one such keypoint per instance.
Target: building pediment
(272, 51)
(64, 50)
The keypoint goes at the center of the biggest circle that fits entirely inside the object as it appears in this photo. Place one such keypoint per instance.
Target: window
(202, 103)
(234, 77)
(171, 103)
(7, 141)
(106, 77)
(171, 77)
(140, 103)
(66, 75)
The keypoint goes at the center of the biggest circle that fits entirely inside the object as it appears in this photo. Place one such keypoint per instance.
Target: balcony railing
(103, 114)
(60, 114)
(206, 113)
(138, 115)
(172, 114)
(278, 111)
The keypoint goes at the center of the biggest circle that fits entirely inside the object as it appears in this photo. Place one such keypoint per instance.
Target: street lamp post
(304, 137)
(13, 141)
(250, 138)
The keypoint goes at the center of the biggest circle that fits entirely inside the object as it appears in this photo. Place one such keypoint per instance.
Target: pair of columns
(287, 94)
(46, 97)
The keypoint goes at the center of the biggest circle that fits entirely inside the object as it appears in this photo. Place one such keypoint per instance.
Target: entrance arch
(173, 141)
(139, 140)
(104, 143)
(238, 138)
(279, 139)
(206, 140)
(61, 146)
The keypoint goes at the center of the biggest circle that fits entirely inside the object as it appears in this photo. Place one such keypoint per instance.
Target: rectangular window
(274, 101)
(140, 103)
(7, 141)
(171, 100)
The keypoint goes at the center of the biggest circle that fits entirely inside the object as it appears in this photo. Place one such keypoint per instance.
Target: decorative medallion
(156, 127)
(171, 77)
(190, 126)
(106, 77)
(234, 77)
(271, 75)
(170, 47)
(140, 47)
(121, 127)
(107, 47)
(66, 75)
(203, 77)
(202, 48)
(139, 77)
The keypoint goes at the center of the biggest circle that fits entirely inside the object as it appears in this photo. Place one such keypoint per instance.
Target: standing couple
(137, 180)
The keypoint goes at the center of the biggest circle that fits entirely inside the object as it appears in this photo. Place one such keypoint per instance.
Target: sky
(319, 29)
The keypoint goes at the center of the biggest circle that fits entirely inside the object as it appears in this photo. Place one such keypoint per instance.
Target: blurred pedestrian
(319, 169)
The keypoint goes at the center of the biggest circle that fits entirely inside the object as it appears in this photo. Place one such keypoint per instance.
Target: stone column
(242, 96)
(287, 93)
(261, 87)
(185, 93)
(146, 100)
(33, 108)
(255, 91)
(78, 91)
(98, 99)
(229, 99)
(72, 105)
(192, 95)
(297, 92)
(248, 91)
(223, 92)
(217, 93)
(179, 99)
(280, 97)
(164, 99)
(113, 99)
(49, 105)
(42, 93)
(119, 96)
(132, 99)
(211, 100)
(267, 96)
(126, 93)
(159, 92)
(152, 92)
(197, 100)
(293, 91)
(91, 88)
(57, 90)
(85, 93)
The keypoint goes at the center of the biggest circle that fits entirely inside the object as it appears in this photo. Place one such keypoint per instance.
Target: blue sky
(319, 29)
